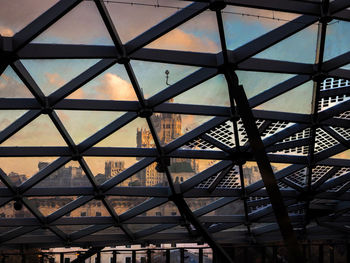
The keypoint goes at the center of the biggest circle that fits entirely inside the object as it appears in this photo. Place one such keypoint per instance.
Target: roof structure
(260, 92)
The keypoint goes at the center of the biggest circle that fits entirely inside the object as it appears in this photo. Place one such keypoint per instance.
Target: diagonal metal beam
(268, 177)
(43, 22)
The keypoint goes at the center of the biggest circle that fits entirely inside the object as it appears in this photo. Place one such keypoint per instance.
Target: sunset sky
(83, 25)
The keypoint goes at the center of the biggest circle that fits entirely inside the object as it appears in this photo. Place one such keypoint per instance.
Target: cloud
(110, 87)
(6, 31)
(115, 88)
(12, 88)
(180, 40)
(54, 79)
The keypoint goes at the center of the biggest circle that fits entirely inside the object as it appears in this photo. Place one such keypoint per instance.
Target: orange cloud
(115, 88)
(54, 79)
(6, 31)
(180, 40)
(110, 87)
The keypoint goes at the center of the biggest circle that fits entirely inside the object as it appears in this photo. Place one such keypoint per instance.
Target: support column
(133, 256)
(200, 255)
(167, 256)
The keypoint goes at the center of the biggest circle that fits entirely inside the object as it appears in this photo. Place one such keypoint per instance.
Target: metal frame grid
(283, 205)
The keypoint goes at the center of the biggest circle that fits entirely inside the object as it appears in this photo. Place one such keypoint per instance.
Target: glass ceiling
(173, 121)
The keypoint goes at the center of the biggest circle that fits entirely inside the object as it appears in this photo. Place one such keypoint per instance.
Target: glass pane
(121, 204)
(183, 169)
(39, 132)
(27, 10)
(92, 208)
(200, 34)
(150, 176)
(337, 39)
(82, 25)
(7, 117)
(255, 83)
(11, 86)
(113, 84)
(52, 74)
(134, 134)
(302, 43)
(167, 209)
(18, 174)
(49, 204)
(83, 124)
(105, 168)
(212, 92)
(243, 25)
(69, 175)
(8, 211)
(197, 203)
(148, 14)
(286, 101)
(152, 77)
(172, 126)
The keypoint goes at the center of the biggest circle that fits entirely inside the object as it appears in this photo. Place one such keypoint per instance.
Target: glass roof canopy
(174, 121)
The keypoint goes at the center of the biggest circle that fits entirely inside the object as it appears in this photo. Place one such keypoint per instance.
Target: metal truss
(281, 205)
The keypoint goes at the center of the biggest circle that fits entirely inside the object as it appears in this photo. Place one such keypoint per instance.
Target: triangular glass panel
(153, 76)
(18, 174)
(337, 39)
(11, 86)
(83, 124)
(303, 44)
(92, 208)
(26, 10)
(52, 74)
(287, 101)
(323, 141)
(212, 92)
(198, 203)
(8, 211)
(233, 208)
(39, 132)
(200, 34)
(243, 25)
(172, 126)
(342, 155)
(112, 84)
(82, 25)
(105, 168)
(134, 134)
(150, 176)
(148, 15)
(167, 209)
(69, 175)
(183, 169)
(255, 83)
(122, 204)
(8, 117)
(5, 229)
(49, 204)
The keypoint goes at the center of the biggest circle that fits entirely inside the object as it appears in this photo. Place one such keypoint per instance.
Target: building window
(158, 213)
(128, 260)
(83, 214)
(98, 214)
(173, 213)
